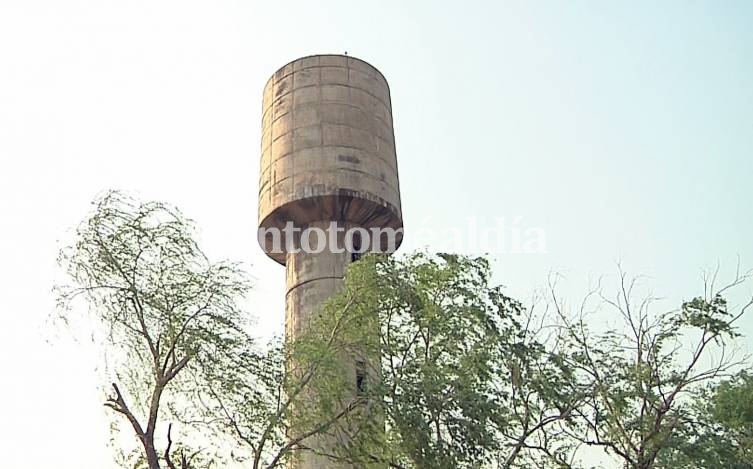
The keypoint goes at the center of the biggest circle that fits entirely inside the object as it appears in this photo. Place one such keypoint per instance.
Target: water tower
(328, 155)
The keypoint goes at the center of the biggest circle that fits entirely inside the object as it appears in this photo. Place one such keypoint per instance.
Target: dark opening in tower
(355, 253)
(360, 377)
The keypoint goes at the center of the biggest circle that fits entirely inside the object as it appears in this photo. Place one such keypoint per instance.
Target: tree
(187, 376)
(641, 378)
(732, 409)
(721, 432)
(307, 398)
(450, 372)
(460, 381)
(168, 311)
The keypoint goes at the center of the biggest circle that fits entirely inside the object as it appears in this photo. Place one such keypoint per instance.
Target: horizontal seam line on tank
(344, 169)
(269, 107)
(376, 199)
(269, 147)
(333, 277)
(319, 124)
(386, 124)
(288, 155)
(327, 101)
(390, 143)
(264, 129)
(369, 153)
(319, 85)
(314, 104)
(268, 187)
(323, 145)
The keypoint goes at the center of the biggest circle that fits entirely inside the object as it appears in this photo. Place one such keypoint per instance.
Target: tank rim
(327, 55)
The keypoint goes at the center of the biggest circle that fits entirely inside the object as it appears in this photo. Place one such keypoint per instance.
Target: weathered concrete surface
(310, 281)
(328, 148)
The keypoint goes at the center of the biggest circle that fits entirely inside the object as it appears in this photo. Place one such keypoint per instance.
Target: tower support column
(312, 278)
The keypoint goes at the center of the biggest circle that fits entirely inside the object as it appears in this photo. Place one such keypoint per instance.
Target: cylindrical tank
(328, 147)
(328, 155)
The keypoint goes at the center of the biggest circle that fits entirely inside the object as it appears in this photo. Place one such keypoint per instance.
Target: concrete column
(312, 279)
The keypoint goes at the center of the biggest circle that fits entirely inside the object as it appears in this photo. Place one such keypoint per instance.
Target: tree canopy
(450, 371)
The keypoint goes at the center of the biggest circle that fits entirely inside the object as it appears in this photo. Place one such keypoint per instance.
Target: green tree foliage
(419, 362)
(168, 311)
(187, 376)
(461, 380)
(642, 376)
(720, 434)
(732, 408)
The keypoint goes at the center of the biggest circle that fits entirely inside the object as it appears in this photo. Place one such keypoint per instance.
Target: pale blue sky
(623, 129)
